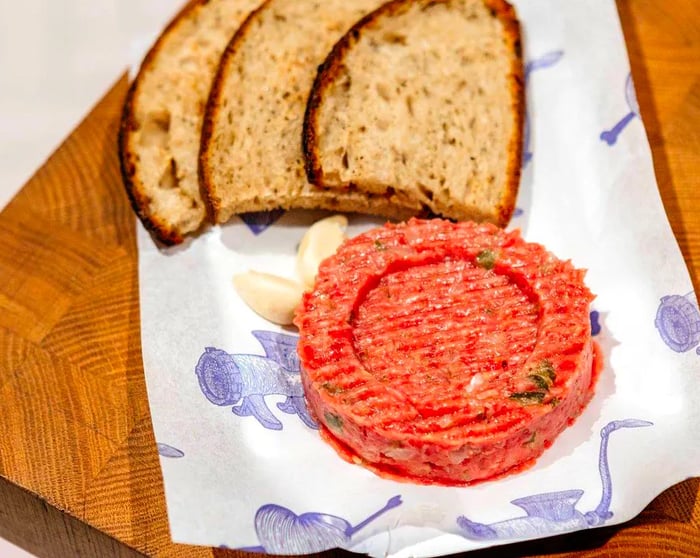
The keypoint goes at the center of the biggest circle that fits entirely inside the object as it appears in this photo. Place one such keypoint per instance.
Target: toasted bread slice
(162, 117)
(251, 155)
(424, 99)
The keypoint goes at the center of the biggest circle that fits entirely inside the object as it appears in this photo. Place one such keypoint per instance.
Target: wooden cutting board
(79, 471)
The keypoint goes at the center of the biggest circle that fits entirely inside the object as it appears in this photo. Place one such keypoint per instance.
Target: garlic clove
(321, 240)
(272, 297)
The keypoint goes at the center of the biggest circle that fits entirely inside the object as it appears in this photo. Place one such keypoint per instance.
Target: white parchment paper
(243, 469)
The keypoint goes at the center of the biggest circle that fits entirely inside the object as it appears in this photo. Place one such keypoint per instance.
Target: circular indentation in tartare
(443, 330)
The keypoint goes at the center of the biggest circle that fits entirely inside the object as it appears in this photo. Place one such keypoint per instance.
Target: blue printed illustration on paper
(610, 136)
(244, 380)
(595, 322)
(545, 61)
(551, 513)
(281, 531)
(259, 221)
(165, 450)
(678, 322)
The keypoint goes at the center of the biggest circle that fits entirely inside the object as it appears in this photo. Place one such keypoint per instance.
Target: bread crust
(212, 202)
(128, 159)
(329, 70)
(506, 14)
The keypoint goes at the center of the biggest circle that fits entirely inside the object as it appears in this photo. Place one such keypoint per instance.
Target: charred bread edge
(134, 188)
(506, 13)
(211, 201)
(328, 71)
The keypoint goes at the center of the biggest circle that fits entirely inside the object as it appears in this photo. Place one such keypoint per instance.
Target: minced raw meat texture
(445, 353)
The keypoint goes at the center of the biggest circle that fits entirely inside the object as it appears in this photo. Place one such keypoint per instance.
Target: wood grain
(79, 472)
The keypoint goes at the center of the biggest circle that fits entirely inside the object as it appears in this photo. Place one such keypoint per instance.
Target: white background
(57, 58)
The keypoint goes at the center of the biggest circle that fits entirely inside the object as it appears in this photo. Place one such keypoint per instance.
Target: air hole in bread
(425, 191)
(168, 180)
(394, 38)
(409, 105)
(383, 123)
(155, 129)
(346, 81)
(383, 90)
(189, 64)
(346, 163)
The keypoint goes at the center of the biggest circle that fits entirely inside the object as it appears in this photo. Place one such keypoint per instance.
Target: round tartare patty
(445, 353)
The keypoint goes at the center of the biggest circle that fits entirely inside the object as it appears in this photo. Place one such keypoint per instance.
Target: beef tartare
(445, 353)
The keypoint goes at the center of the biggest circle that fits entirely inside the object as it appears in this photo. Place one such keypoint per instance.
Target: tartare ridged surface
(445, 353)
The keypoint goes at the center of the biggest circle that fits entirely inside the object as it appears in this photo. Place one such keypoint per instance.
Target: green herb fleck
(543, 375)
(379, 245)
(531, 440)
(546, 370)
(539, 381)
(528, 397)
(333, 421)
(486, 259)
(332, 388)
(396, 444)
(554, 402)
